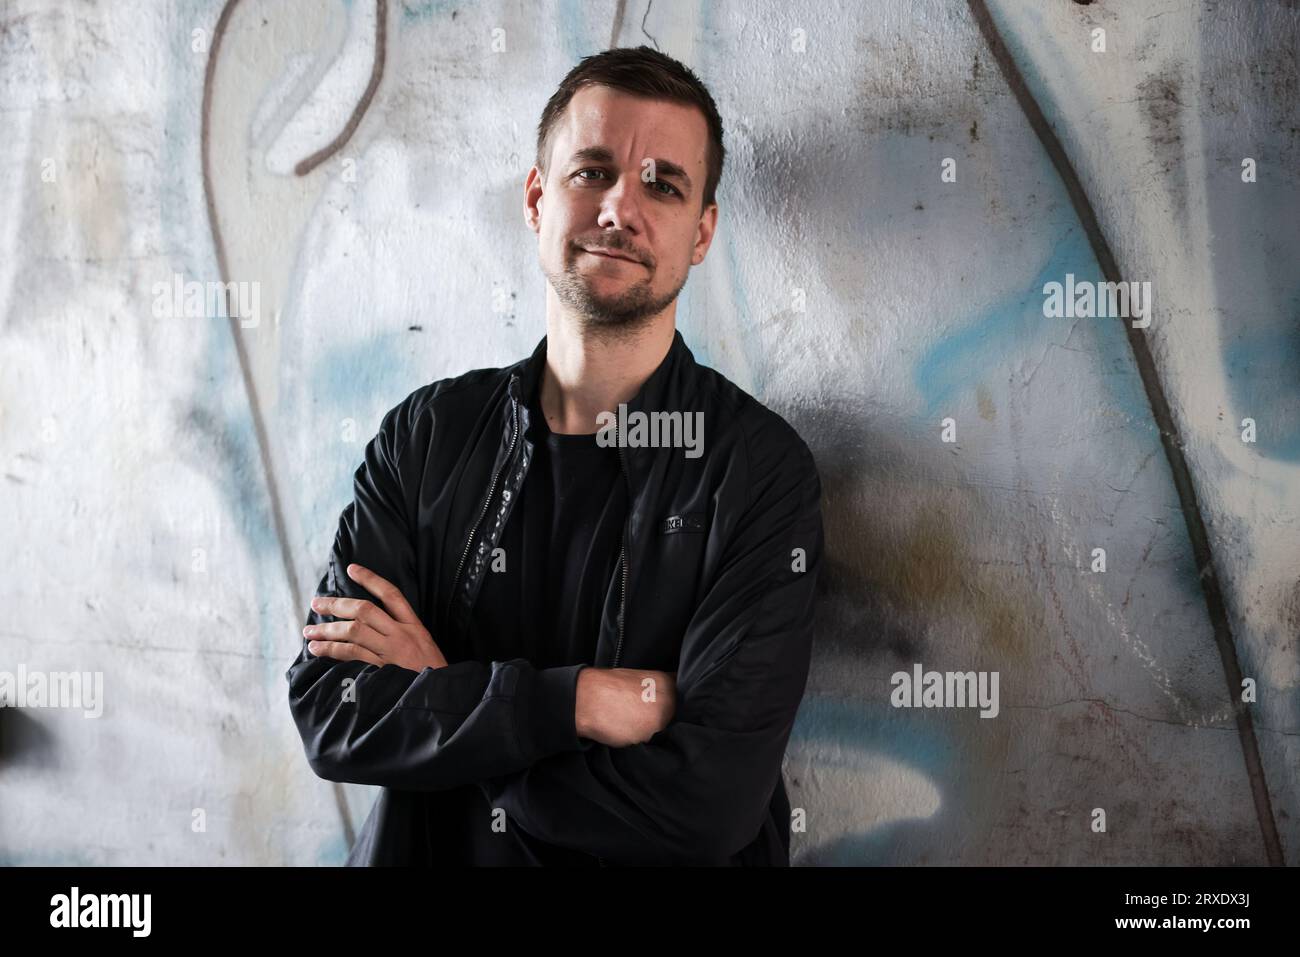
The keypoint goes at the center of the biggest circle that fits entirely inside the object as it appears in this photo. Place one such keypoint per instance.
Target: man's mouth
(611, 254)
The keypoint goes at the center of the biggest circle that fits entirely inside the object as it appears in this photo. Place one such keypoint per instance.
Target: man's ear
(704, 233)
(533, 199)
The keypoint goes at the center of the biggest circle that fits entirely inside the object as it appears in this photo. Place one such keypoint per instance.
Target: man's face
(626, 175)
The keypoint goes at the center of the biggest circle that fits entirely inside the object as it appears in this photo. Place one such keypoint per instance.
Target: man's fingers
(348, 632)
(388, 593)
(358, 609)
(343, 651)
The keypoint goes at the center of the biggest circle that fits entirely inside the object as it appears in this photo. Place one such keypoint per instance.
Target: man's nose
(621, 205)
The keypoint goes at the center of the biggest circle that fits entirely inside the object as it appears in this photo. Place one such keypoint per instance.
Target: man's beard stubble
(623, 315)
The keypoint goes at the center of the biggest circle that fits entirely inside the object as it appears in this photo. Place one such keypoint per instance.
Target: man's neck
(588, 374)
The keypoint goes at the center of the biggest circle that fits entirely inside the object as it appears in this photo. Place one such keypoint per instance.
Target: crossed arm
(613, 706)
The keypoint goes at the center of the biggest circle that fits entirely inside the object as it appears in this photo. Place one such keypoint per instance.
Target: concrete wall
(172, 484)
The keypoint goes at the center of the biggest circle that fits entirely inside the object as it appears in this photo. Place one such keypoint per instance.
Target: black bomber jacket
(719, 562)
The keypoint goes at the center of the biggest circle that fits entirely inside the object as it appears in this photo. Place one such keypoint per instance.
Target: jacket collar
(667, 389)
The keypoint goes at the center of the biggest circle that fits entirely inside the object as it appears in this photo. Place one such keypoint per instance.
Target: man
(553, 633)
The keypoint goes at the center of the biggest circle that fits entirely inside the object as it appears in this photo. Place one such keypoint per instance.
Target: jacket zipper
(622, 555)
(622, 551)
(483, 511)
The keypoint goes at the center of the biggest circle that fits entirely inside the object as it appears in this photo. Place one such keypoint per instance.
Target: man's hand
(622, 706)
(391, 635)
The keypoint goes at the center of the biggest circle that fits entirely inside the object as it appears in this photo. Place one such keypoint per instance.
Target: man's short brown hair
(640, 71)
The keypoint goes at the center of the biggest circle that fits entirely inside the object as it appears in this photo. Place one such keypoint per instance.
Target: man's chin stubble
(622, 316)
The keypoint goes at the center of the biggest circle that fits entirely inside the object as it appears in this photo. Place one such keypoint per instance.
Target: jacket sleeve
(698, 791)
(439, 728)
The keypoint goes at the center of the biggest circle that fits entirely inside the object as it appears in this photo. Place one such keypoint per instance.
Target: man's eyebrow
(665, 167)
(602, 154)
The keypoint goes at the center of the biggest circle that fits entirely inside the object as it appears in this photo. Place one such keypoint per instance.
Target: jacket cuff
(550, 718)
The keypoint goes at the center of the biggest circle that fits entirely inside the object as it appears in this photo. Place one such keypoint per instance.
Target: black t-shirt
(561, 559)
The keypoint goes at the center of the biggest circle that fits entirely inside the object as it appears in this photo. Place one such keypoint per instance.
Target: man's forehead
(603, 118)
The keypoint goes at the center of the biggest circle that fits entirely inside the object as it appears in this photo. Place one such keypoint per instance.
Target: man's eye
(671, 189)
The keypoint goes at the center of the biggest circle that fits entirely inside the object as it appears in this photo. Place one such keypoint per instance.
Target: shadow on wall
(903, 583)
